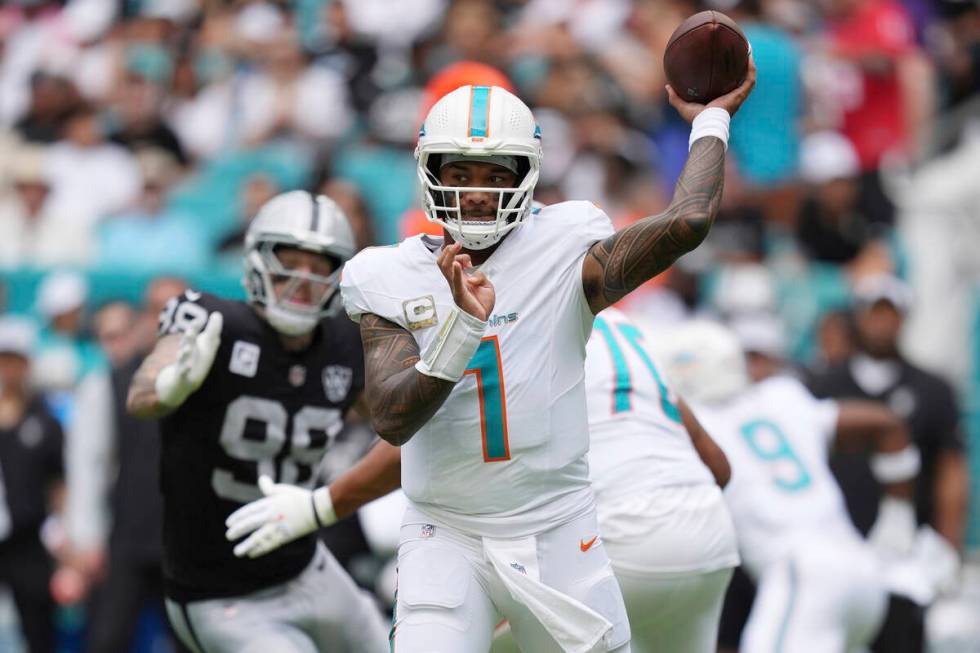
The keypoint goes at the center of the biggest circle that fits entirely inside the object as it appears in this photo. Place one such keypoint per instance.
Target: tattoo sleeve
(142, 400)
(401, 399)
(619, 264)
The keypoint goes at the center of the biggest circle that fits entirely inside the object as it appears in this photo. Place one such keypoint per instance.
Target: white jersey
(638, 439)
(504, 456)
(777, 436)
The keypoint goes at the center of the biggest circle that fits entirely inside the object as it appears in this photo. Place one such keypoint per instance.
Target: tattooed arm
(400, 398)
(617, 265)
(142, 400)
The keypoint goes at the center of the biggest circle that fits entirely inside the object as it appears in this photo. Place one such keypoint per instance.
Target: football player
(250, 393)
(656, 474)
(820, 586)
(662, 518)
(474, 351)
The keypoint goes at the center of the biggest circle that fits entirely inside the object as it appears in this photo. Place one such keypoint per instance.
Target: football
(706, 57)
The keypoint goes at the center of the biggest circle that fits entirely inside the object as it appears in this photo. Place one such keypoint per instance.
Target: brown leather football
(707, 56)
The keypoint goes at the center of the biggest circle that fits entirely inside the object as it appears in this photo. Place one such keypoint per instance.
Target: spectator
(830, 226)
(31, 471)
(766, 136)
(53, 98)
(153, 237)
(114, 459)
(885, 111)
(64, 354)
(879, 371)
(35, 231)
(114, 325)
(90, 177)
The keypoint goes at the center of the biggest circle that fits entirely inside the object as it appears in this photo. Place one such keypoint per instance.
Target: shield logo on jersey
(420, 312)
(297, 375)
(337, 381)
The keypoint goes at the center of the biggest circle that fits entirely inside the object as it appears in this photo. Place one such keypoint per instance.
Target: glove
(894, 532)
(286, 513)
(195, 356)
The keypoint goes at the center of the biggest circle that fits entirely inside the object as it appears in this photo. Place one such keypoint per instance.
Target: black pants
(903, 630)
(117, 603)
(735, 611)
(27, 572)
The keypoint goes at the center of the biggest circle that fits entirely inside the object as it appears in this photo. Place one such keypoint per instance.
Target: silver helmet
(306, 222)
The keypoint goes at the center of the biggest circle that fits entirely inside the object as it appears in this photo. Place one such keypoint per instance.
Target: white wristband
(447, 356)
(713, 121)
(897, 466)
(323, 510)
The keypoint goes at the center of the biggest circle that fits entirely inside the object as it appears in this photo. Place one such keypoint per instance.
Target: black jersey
(261, 410)
(30, 461)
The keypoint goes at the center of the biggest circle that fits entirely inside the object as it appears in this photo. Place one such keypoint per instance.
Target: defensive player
(820, 589)
(662, 518)
(248, 389)
(474, 351)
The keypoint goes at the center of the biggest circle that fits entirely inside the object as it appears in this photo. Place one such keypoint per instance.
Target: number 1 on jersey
(486, 367)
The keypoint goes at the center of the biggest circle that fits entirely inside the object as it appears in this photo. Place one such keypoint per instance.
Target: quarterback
(474, 347)
(251, 393)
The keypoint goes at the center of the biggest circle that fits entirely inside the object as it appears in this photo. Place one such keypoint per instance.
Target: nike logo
(585, 546)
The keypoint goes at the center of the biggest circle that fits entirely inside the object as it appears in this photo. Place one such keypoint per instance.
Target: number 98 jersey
(261, 410)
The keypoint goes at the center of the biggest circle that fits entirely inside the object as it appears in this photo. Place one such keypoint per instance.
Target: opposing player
(819, 583)
(474, 351)
(248, 389)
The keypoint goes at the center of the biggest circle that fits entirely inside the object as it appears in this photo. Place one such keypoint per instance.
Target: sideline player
(474, 351)
(820, 586)
(662, 517)
(248, 389)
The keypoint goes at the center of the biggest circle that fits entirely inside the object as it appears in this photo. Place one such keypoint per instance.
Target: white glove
(286, 513)
(195, 356)
(893, 533)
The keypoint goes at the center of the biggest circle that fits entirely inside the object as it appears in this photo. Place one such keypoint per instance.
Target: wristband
(897, 466)
(713, 121)
(323, 511)
(447, 356)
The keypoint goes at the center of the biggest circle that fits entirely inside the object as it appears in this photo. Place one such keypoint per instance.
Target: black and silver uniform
(261, 410)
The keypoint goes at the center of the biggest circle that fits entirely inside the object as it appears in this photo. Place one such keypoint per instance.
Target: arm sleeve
(89, 457)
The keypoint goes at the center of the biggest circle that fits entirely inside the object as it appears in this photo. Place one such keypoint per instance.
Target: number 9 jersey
(261, 410)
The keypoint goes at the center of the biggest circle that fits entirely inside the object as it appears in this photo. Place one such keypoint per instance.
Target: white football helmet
(478, 121)
(300, 220)
(704, 362)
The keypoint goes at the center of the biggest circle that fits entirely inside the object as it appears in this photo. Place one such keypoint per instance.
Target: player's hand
(285, 514)
(730, 101)
(195, 356)
(472, 293)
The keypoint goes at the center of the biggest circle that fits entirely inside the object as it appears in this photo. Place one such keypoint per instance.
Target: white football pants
(557, 586)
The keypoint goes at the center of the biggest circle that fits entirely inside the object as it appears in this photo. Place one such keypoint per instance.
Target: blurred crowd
(139, 137)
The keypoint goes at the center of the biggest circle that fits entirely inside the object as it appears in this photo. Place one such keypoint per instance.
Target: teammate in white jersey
(819, 584)
(474, 349)
(662, 517)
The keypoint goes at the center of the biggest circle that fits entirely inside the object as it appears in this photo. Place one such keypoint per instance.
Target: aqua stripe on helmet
(479, 111)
